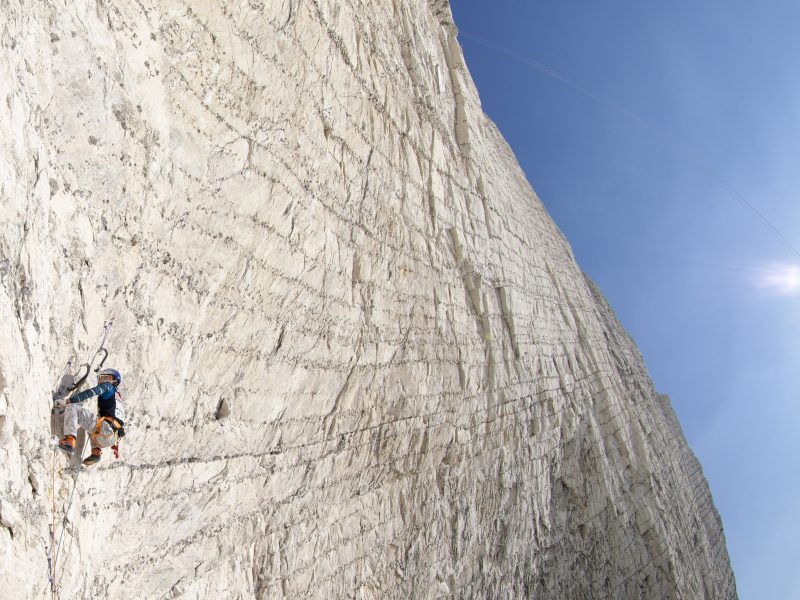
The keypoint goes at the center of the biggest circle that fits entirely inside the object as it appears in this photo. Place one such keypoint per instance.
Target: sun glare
(780, 279)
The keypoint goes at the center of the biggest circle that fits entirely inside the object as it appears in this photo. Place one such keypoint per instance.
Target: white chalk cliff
(358, 357)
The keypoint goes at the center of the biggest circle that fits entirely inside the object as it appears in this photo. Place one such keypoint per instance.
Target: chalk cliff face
(359, 360)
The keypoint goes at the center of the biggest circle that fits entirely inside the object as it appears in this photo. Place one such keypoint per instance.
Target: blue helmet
(111, 373)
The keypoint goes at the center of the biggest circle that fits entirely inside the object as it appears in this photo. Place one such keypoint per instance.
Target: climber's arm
(98, 390)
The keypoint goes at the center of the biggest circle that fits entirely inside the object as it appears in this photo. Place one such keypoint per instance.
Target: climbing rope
(50, 565)
(64, 519)
(53, 550)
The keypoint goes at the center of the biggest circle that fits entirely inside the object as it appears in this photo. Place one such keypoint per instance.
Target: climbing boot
(93, 457)
(67, 444)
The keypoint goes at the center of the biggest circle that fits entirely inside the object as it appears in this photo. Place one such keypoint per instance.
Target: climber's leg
(75, 415)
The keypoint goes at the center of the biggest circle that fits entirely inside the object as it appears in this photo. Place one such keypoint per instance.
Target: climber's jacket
(106, 401)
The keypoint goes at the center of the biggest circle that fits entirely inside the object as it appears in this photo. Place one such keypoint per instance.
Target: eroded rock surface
(359, 359)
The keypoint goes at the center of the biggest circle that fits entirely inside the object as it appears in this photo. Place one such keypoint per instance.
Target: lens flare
(783, 280)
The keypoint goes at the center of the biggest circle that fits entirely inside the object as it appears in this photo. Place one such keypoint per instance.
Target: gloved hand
(60, 403)
(121, 432)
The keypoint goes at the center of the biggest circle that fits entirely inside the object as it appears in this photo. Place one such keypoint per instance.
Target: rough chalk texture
(359, 359)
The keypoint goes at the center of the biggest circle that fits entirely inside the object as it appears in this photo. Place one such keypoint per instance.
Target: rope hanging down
(65, 387)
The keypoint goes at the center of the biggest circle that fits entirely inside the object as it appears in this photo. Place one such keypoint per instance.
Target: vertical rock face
(359, 359)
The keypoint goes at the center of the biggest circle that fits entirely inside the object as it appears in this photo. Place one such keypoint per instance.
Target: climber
(105, 427)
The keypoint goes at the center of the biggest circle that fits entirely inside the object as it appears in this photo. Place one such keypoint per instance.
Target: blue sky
(709, 293)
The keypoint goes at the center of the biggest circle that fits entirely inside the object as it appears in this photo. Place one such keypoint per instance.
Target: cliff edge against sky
(359, 359)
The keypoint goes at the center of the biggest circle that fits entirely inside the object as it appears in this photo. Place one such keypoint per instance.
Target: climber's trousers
(75, 414)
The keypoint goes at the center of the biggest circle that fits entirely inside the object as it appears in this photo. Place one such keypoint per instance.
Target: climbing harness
(105, 440)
